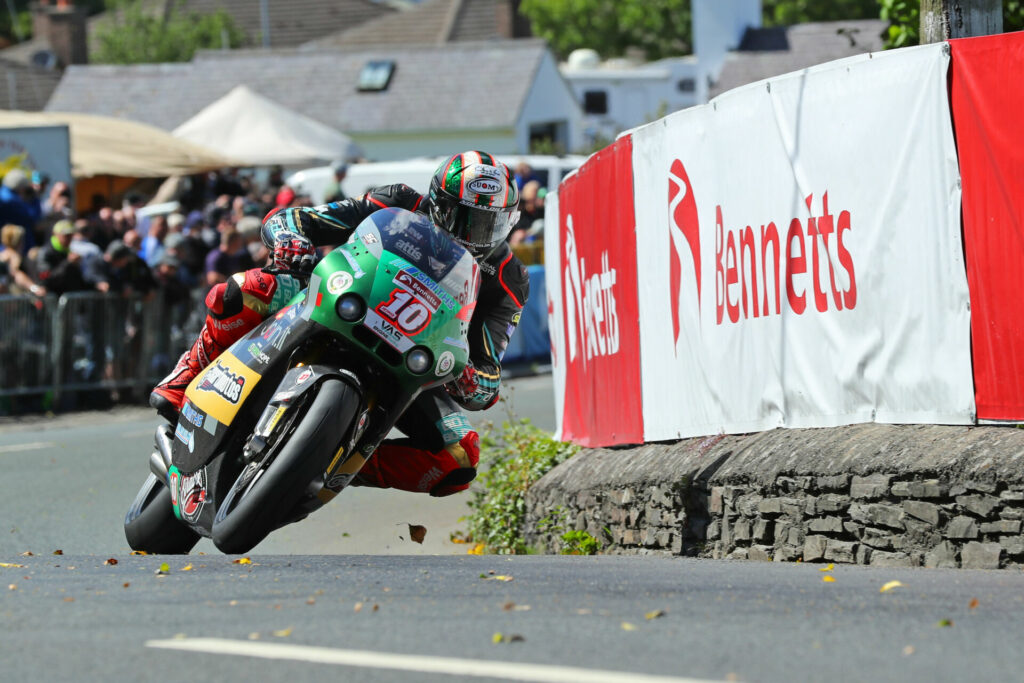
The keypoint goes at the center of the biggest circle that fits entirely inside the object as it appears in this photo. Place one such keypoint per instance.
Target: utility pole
(945, 19)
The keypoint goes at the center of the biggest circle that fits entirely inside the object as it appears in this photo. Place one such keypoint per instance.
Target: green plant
(511, 461)
(580, 543)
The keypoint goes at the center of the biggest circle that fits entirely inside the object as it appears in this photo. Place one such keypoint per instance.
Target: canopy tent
(247, 126)
(105, 146)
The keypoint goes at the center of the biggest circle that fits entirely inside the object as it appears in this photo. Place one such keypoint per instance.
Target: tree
(789, 12)
(660, 28)
(135, 36)
(905, 18)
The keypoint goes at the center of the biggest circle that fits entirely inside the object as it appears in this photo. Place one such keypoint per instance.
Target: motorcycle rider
(474, 198)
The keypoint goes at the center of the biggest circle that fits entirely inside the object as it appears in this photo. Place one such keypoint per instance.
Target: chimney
(62, 24)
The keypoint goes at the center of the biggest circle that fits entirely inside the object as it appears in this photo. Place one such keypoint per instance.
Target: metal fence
(89, 346)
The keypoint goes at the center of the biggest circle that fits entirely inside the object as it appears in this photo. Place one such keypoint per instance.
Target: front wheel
(258, 502)
(150, 524)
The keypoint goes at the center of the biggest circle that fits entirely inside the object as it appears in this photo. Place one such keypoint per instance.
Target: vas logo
(224, 383)
(683, 228)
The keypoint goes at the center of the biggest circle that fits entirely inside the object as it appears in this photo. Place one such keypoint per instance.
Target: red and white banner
(799, 251)
(591, 278)
(988, 114)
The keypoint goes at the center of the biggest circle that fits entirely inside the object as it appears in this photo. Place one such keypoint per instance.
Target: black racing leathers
(504, 283)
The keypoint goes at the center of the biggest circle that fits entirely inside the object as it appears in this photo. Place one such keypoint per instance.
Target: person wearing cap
(19, 205)
(333, 192)
(59, 268)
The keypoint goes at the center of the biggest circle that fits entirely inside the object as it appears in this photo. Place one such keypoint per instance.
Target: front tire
(252, 510)
(150, 525)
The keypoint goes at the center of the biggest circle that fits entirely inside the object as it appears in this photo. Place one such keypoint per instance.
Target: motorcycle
(282, 421)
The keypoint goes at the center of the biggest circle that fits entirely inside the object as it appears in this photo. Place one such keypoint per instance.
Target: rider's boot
(403, 467)
(234, 308)
(169, 395)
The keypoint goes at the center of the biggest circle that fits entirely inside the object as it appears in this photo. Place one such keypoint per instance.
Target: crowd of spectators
(122, 247)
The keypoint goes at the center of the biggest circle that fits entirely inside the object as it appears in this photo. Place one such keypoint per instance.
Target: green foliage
(510, 462)
(660, 28)
(904, 17)
(133, 35)
(788, 12)
(580, 543)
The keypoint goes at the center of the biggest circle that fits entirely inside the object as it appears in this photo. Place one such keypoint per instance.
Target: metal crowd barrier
(64, 348)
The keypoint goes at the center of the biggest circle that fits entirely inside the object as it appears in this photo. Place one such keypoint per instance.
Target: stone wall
(883, 495)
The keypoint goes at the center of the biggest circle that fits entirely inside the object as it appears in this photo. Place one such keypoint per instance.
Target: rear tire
(151, 526)
(248, 513)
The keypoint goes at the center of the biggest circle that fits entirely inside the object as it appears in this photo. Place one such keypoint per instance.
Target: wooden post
(945, 19)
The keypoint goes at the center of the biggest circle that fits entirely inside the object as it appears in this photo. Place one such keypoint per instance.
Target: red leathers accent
(413, 469)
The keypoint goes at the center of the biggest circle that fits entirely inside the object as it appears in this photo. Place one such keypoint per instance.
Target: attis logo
(682, 213)
(751, 262)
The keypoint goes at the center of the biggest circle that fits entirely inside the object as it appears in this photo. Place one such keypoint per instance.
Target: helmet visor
(475, 227)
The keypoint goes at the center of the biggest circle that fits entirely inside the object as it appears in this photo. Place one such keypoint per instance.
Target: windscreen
(414, 238)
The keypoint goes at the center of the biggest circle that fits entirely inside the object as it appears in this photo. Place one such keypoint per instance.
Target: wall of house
(550, 100)
(398, 146)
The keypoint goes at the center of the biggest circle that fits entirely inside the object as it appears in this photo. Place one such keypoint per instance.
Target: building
(394, 101)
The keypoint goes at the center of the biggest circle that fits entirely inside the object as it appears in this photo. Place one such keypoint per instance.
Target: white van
(416, 173)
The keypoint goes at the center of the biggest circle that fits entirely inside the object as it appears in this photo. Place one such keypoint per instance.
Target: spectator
(524, 174)
(168, 283)
(58, 267)
(105, 274)
(82, 245)
(136, 274)
(13, 279)
(153, 244)
(333, 191)
(229, 258)
(19, 205)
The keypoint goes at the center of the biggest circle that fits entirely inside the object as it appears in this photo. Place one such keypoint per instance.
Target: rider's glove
(465, 385)
(292, 251)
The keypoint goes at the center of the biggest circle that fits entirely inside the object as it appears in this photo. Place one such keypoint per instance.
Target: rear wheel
(266, 491)
(151, 526)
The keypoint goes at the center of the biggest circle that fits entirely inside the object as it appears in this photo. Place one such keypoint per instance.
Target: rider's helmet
(474, 198)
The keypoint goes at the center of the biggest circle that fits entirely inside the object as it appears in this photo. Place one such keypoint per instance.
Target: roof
(767, 52)
(23, 87)
(106, 146)
(481, 85)
(292, 22)
(431, 22)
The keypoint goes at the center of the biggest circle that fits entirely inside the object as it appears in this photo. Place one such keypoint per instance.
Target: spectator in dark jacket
(58, 267)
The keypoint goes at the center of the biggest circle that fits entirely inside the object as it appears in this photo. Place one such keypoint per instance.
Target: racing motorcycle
(283, 420)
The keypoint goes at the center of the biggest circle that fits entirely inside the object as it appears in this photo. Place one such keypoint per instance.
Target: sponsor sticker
(388, 332)
(257, 353)
(192, 495)
(226, 384)
(189, 412)
(210, 425)
(353, 264)
(457, 343)
(186, 436)
(306, 374)
(409, 249)
(370, 238)
(222, 387)
(339, 282)
(487, 186)
(422, 292)
(444, 364)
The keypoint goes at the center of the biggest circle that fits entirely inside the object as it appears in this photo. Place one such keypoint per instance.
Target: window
(595, 102)
(686, 85)
(376, 76)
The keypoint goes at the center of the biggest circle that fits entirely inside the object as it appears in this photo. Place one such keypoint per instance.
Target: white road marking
(35, 445)
(389, 660)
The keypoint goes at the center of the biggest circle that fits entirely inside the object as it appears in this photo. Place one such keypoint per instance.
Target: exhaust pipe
(160, 459)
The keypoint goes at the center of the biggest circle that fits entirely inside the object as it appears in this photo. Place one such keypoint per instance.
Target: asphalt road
(346, 595)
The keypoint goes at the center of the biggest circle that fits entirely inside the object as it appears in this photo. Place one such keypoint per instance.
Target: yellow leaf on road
(626, 626)
(499, 577)
(827, 568)
(478, 549)
(241, 560)
(655, 614)
(889, 586)
(283, 633)
(187, 568)
(828, 578)
(11, 565)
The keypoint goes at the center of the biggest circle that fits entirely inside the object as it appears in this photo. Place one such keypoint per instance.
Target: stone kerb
(882, 495)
